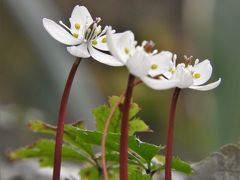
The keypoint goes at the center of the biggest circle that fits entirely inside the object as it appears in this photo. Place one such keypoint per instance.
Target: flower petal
(139, 64)
(161, 63)
(81, 15)
(121, 45)
(79, 51)
(59, 33)
(160, 84)
(207, 87)
(103, 57)
(204, 69)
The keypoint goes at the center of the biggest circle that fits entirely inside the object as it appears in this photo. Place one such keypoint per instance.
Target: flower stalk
(124, 129)
(105, 131)
(170, 134)
(61, 118)
(104, 137)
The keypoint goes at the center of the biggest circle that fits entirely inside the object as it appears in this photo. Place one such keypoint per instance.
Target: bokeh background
(34, 67)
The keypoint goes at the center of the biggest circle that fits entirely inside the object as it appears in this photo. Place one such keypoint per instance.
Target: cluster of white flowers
(157, 70)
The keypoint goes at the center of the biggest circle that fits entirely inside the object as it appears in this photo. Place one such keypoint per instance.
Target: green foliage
(136, 175)
(143, 150)
(41, 127)
(177, 164)
(101, 114)
(79, 146)
(90, 173)
(44, 149)
(182, 166)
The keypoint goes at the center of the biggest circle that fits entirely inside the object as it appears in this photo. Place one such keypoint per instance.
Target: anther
(77, 26)
(104, 40)
(94, 42)
(197, 75)
(154, 66)
(188, 60)
(98, 19)
(149, 46)
(126, 50)
(172, 70)
(75, 35)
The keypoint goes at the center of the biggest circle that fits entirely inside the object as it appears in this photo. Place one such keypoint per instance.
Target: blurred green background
(33, 69)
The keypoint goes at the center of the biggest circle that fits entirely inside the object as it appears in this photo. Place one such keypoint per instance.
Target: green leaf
(92, 173)
(101, 114)
(82, 139)
(92, 137)
(134, 110)
(134, 106)
(113, 156)
(138, 125)
(177, 164)
(181, 166)
(145, 150)
(44, 149)
(41, 127)
(137, 148)
(137, 175)
(89, 173)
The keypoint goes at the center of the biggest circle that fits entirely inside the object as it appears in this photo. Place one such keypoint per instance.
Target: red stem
(61, 118)
(124, 130)
(169, 148)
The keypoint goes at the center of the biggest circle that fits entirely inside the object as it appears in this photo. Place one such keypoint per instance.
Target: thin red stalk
(104, 137)
(169, 148)
(105, 130)
(124, 130)
(61, 118)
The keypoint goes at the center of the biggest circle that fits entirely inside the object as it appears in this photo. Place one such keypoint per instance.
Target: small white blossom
(140, 63)
(84, 37)
(186, 76)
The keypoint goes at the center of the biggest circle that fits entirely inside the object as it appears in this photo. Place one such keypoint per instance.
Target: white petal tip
(208, 86)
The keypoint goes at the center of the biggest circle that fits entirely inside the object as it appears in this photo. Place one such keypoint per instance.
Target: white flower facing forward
(185, 76)
(85, 37)
(141, 63)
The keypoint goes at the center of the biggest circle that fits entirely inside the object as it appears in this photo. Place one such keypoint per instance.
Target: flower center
(154, 66)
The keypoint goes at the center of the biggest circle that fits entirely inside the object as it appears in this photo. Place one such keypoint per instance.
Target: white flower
(159, 70)
(85, 37)
(186, 76)
(139, 62)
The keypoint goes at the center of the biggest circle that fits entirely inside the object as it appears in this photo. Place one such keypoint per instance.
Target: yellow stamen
(197, 75)
(77, 26)
(75, 35)
(94, 42)
(171, 70)
(104, 40)
(126, 50)
(154, 66)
